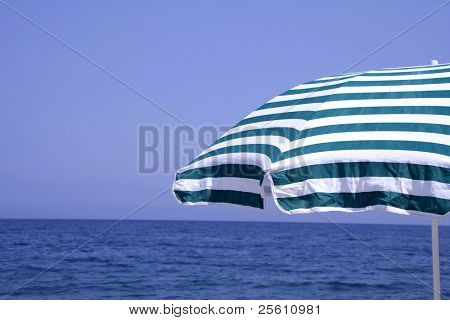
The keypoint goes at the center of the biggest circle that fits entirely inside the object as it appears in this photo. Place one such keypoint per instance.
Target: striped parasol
(376, 140)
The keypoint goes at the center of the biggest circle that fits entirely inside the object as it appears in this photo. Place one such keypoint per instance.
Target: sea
(92, 259)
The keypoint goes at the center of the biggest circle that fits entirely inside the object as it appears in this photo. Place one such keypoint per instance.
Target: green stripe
(303, 115)
(310, 115)
(224, 170)
(359, 96)
(222, 196)
(368, 145)
(289, 133)
(352, 83)
(362, 169)
(269, 150)
(364, 127)
(275, 154)
(294, 134)
(365, 199)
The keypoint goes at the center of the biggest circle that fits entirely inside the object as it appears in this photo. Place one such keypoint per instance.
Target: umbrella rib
(349, 233)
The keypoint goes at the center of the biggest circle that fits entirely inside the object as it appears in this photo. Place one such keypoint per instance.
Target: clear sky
(68, 134)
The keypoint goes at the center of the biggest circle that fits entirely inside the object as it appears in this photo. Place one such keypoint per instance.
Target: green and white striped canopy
(376, 140)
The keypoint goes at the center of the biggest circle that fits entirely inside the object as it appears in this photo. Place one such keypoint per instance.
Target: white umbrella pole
(435, 248)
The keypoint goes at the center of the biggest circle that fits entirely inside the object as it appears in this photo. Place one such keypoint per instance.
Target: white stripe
(281, 143)
(372, 89)
(286, 123)
(223, 183)
(319, 85)
(205, 203)
(379, 118)
(257, 159)
(370, 135)
(419, 102)
(420, 67)
(405, 77)
(410, 69)
(364, 184)
(284, 144)
(396, 156)
(401, 88)
(361, 77)
(304, 95)
(338, 77)
(365, 209)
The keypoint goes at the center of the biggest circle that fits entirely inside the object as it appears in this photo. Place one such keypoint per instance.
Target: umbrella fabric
(376, 140)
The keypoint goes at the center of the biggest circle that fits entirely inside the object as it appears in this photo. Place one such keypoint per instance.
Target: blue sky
(68, 131)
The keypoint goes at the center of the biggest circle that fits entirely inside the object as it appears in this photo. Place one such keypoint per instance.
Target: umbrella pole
(435, 247)
(436, 267)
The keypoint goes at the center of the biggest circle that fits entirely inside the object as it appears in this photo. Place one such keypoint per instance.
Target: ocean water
(216, 260)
